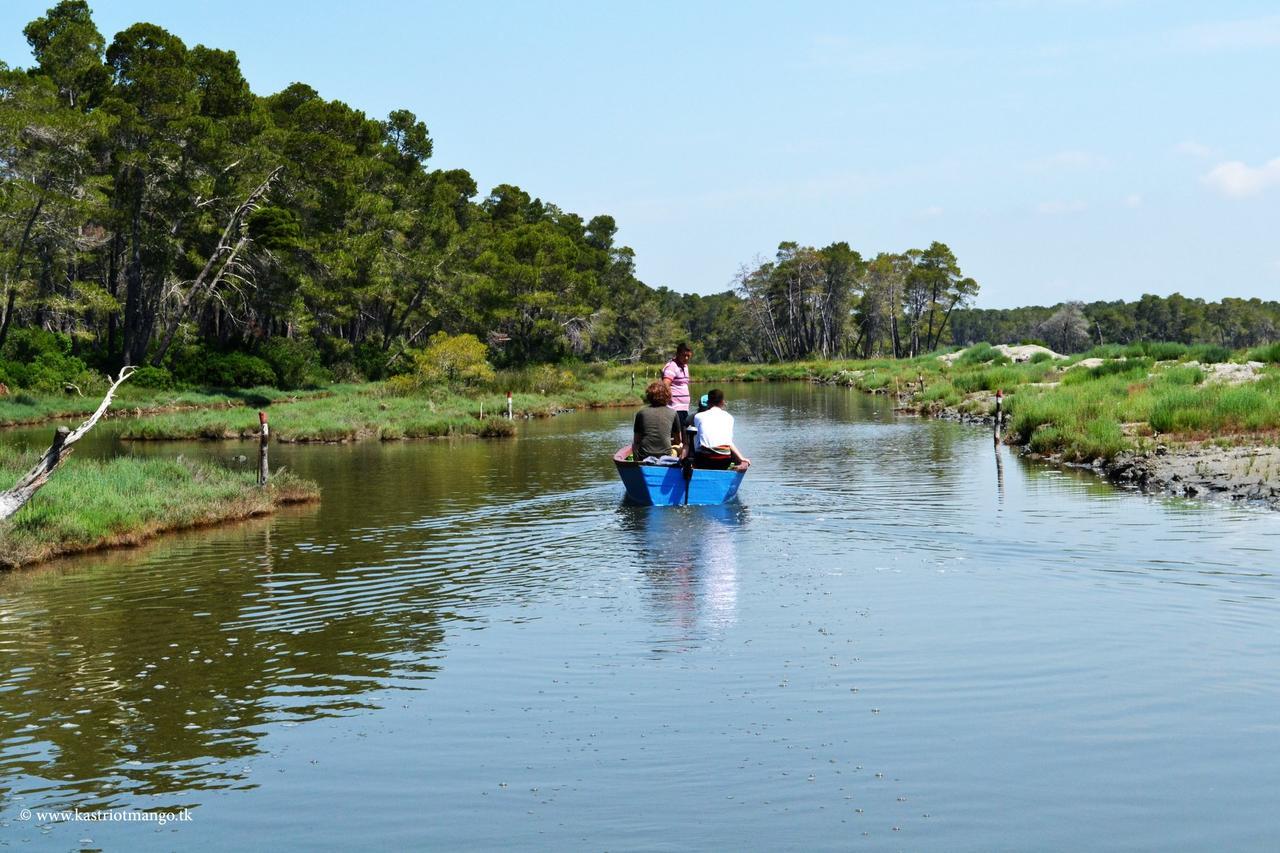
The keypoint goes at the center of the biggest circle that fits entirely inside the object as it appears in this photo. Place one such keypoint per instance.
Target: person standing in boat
(675, 375)
(657, 428)
(713, 445)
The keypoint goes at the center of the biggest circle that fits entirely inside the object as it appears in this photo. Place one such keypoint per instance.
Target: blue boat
(666, 485)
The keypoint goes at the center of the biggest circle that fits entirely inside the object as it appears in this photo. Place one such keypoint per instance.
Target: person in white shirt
(713, 445)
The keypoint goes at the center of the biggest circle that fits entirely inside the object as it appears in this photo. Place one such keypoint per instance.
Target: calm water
(896, 639)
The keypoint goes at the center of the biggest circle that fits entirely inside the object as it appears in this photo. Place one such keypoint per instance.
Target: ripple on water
(892, 622)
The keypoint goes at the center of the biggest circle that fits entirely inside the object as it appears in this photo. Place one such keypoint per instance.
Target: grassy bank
(372, 412)
(1090, 406)
(25, 407)
(91, 504)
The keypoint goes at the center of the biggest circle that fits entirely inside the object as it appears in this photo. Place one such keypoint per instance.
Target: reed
(92, 504)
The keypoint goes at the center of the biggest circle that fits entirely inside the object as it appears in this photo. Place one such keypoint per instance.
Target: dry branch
(16, 498)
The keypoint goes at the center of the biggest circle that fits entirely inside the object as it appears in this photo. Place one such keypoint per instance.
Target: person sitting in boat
(657, 428)
(691, 431)
(713, 445)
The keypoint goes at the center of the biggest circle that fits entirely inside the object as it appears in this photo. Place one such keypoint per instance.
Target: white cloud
(931, 212)
(1238, 180)
(1191, 148)
(1052, 208)
(1133, 200)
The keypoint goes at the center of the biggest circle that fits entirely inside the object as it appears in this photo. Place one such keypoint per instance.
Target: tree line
(1075, 326)
(154, 211)
(832, 302)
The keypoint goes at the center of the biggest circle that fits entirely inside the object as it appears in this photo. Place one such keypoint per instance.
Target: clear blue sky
(1081, 149)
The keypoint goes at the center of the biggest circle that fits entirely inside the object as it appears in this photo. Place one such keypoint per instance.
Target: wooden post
(482, 410)
(999, 414)
(263, 471)
(508, 405)
(920, 377)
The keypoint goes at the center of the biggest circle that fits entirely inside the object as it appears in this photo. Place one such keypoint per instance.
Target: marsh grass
(91, 504)
(33, 408)
(356, 414)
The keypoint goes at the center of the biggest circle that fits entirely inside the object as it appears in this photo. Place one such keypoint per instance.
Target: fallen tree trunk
(16, 498)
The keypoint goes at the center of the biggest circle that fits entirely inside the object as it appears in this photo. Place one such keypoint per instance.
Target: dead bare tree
(16, 498)
(219, 263)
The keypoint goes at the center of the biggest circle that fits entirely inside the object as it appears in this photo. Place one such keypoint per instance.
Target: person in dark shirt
(657, 426)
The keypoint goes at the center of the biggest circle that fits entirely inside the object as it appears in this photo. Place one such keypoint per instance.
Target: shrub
(1105, 351)
(295, 362)
(455, 359)
(152, 377)
(978, 354)
(1133, 368)
(42, 361)
(1164, 350)
(25, 345)
(52, 371)
(1209, 353)
(370, 360)
(197, 364)
(1041, 357)
(236, 370)
(1183, 375)
(1269, 353)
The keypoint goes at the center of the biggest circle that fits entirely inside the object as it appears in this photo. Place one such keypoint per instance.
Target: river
(897, 638)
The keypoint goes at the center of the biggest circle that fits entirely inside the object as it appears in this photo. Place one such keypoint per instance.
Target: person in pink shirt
(675, 373)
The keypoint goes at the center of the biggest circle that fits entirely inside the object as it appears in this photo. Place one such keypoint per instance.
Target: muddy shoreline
(1247, 474)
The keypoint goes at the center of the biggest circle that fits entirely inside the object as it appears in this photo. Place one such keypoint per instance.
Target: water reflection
(127, 679)
(1000, 473)
(457, 616)
(688, 557)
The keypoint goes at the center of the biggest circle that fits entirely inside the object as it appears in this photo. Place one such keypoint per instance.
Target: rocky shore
(1248, 473)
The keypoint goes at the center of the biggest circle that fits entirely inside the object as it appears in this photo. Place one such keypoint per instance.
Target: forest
(156, 212)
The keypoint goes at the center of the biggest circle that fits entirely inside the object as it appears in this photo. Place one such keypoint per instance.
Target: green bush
(1105, 351)
(1182, 375)
(371, 361)
(1269, 353)
(1130, 368)
(42, 361)
(1209, 353)
(453, 359)
(1041, 357)
(238, 370)
(197, 364)
(978, 354)
(156, 378)
(541, 379)
(1164, 350)
(25, 345)
(295, 362)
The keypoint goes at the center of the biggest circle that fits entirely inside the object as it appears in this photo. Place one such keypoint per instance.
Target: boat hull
(661, 485)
